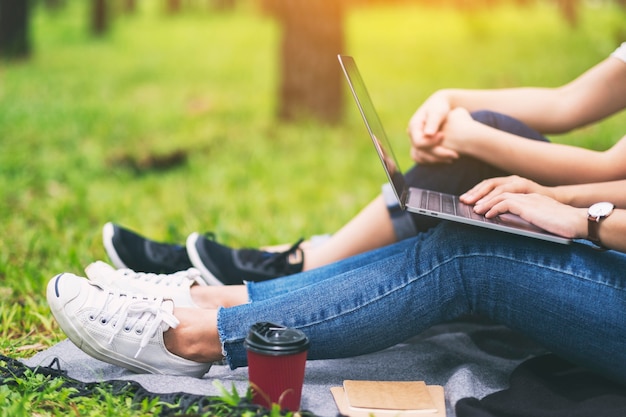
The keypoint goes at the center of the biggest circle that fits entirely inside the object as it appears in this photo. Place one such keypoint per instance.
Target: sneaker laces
(279, 261)
(144, 315)
(177, 279)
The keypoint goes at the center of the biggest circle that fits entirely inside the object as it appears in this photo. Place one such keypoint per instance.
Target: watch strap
(595, 216)
(593, 229)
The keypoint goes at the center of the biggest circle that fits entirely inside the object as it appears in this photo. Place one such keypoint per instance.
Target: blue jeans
(571, 299)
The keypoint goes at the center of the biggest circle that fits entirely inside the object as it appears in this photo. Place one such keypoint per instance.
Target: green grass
(36, 394)
(205, 83)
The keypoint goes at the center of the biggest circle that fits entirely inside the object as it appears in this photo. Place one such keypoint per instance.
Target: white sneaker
(118, 327)
(173, 286)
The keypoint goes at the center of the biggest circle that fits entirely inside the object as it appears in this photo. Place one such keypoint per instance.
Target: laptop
(421, 201)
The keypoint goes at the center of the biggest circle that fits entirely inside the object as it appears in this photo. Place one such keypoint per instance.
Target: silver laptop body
(426, 202)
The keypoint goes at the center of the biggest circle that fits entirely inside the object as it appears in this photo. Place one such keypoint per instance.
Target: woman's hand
(487, 189)
(425, 131)
(530, 201)
(540, 210)
(452, 137)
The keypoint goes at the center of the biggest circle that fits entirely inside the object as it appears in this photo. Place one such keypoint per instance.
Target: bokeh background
(231, 116)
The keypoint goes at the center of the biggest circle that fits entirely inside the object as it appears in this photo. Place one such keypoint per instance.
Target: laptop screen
(374, 127)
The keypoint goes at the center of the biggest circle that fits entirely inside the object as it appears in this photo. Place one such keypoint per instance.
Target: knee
(454, 235)
(453, 240)
(507, 124)
(488, 117)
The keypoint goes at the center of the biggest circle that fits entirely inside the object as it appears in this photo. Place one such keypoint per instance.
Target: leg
(447, 272)
(568, 298)
(370, 228)
(196, 337)
(213, 297)
(381, 222)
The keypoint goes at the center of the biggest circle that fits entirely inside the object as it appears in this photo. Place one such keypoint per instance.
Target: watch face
(601, 209)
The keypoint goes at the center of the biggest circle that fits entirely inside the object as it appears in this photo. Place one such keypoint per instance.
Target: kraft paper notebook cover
(399, 395)
(389, 398)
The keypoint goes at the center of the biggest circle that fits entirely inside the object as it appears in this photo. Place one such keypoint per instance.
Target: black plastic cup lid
(273, 339)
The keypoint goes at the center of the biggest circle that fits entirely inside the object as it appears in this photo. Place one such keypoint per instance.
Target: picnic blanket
(550, 386)
(470, 358)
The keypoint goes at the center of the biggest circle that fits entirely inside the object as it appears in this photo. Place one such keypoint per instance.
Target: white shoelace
(144, 316)
(177, 279)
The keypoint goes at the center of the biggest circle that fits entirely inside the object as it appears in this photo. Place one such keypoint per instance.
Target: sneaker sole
(194, 257)
(85, 342)
(108, 232)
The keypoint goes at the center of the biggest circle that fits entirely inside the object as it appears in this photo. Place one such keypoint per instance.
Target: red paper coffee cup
(276, 364)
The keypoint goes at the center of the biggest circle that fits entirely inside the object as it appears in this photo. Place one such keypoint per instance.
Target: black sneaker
(221, 265)
(127, 249)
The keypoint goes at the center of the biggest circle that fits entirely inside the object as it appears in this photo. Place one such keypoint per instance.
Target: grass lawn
(204, 84)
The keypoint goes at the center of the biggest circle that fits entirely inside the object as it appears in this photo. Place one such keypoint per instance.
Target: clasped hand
(435, 123)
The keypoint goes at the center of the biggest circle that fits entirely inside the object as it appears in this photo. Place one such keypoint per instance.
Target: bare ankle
(196, 337)
(215, 297)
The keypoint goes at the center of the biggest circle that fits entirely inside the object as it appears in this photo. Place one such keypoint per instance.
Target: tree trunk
(14, 28)
(130, 6)
(99, 17)
(223, 4)
(173, 6)
(569, 10)
(54, 4)
(311, 82)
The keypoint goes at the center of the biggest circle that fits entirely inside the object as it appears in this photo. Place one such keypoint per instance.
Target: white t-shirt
(620, 53)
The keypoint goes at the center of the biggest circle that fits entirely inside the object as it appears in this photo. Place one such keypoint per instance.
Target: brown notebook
(386, 398)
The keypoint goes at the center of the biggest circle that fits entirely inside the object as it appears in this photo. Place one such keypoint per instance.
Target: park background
(169, 118)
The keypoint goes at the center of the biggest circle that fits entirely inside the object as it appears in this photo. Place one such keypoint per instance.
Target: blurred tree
(129, 6)
(54, 4)
(311, 82)
(173, 6)
(223, 4)
(14, 28)
(99, 17)
(569, 10)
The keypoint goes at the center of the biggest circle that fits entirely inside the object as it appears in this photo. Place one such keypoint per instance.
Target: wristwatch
(595, 214)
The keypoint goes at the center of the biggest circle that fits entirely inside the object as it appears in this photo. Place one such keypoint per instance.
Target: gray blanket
(469, 358)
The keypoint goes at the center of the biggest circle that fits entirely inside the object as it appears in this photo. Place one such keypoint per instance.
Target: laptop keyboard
(448, 204)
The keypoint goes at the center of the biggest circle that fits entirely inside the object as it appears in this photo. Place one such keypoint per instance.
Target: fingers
(426, 132)
(432, 124)
(505, 202)
(502, 203)
(434, 155)
(419, 138)
(428, 119)
(425, 126)
(540, 210)
(489, 188)
(429, 149)
(482, 190)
